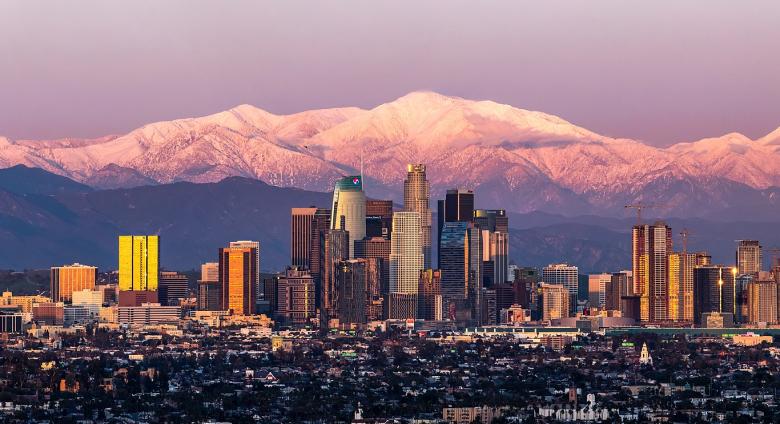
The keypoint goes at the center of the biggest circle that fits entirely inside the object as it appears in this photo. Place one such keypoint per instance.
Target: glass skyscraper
(349, 209)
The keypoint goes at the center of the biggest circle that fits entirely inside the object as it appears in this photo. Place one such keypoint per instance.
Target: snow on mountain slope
(522, 158)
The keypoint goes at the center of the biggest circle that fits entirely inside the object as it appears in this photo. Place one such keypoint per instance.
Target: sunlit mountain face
(517, 159)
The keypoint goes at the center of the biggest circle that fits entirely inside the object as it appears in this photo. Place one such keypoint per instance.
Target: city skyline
(440, 212)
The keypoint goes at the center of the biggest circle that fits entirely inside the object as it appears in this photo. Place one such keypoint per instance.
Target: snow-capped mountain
(518, 159)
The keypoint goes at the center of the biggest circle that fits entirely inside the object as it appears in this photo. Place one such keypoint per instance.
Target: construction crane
(685, 233)
(639, 206)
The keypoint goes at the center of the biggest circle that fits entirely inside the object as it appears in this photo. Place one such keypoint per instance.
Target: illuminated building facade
(139, 260)
(238, 278)
(71, 278)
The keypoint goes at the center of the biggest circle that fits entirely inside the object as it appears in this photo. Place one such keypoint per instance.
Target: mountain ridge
(530, 160)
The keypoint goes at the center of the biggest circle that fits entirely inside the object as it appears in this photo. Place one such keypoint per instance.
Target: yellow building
(681, 286)
(139, 259)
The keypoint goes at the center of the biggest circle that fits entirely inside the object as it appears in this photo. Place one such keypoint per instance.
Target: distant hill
(21, 179)
(193, 220)
(51, 220)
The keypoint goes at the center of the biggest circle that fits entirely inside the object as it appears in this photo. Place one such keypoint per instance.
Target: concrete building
(296, 297)
(554, 301)
(301, 229)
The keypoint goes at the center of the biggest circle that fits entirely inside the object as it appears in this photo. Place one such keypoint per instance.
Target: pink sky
(659, 71)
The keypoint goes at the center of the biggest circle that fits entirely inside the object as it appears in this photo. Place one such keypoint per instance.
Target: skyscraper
(295, 297)
(71, 278)
(301, 220)
(379, 218)
(563, 274)
(597, 289)
(713, 291)
(357, 281)
(494, 224)
(762, 302)
(554, 302)
(748, 257)
(681, 286)
(377, 248)
(349, 209)
(651, 246)
(320, 222)
(238, 278)
(460, 257)
(457, 206)
(620, 284)
(429, 302)
(406, 252)
(172, 288)
(209, 290)
(252, 245)
(417, 199)
(335, 248)
(406, 261)
(139, 259)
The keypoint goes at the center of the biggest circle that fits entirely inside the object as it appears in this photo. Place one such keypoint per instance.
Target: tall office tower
(554, 302)
(406, 252)
(258, 294)
(762, 302)
(379, 218)
(429, 304)
(681, 286)
(335, 248)
(238, 279)
(67, 279)
(377, 248)
(597, 289)
(741, 301)
(349, 209)
(417, 199)
(460, 256)
(650, 249)
(505, 297)
(457, 206)
(295, 297)
(173, 287)
(406, 261)
(748, 257)
(563, 274)
(713, 291)
(494, 224)
(524, 285)
(620, 284)
(354, 281)
(320, 222)
(301, 228)
(209, 290)
(139, 260)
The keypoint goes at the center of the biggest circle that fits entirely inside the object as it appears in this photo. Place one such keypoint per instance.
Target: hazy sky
(659, 71)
